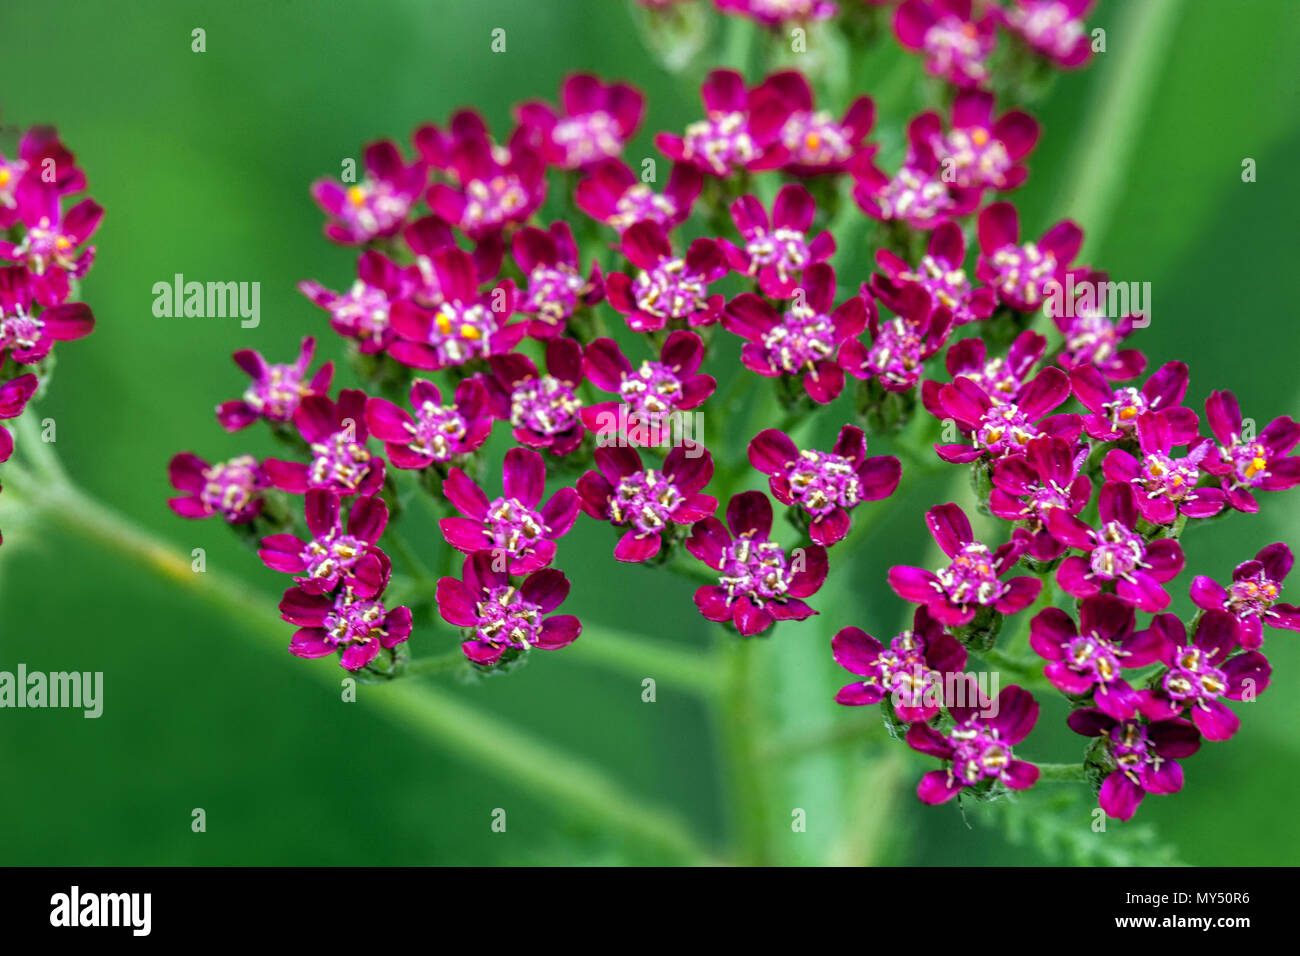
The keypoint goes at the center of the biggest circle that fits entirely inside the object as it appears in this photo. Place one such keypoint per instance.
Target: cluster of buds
(471, 314)
(43, 255)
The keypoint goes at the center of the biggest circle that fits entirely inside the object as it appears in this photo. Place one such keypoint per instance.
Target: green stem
(569, 784)
(1062, 773)
(440, 664)
(641, 657)
(739, 715)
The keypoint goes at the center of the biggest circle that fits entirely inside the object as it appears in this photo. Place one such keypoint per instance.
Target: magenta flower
(916, 195)
(1021, 273)
(647, 501)
(14, 396)
(1165, 486)
(759, 583)
(1115, 555)
(232, 489)
(1092, 337)
(900, 345)
(997, 428)
(825, 485)
(336, 435)
(956, 46)
(1052, 28)
(1203, 671)
(940, 274)
(773, 13)
(463, 327)
(356, 626)
(613, 194)
(377, 206)
(336, 555)
(27, 334)
(911, 671)
(972, 579)
(1115, 411)
(428, 236)
(431, 433)
(1252, 596)
(595, 121)
(978, 748)
(725, 140)
(543, 410)
(497, 186)
(556, 289)
(362, 313)
(511, 526)
(809, 141)
(1032, 487)
(502, 618)
(49, 247)
(1088, 660)
(982, 153)
(39, 152)
(651, 395)
(805, 339)
(1002, 378)
(777, 251)
(668, 288)
(275, 391)
(1145, 757)
(1246, 465)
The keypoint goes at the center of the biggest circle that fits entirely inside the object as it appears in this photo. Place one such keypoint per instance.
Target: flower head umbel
(1245, 465)
(232, 489)
(516, 527)
(1022, 273)
(651, 396)
(336, 435)
(1252, 597)
(973, 578)
(1053, 29)
(941, 274)
(377, 206)
(1142, 758)
(464, 326)
(759, 583)
(275, 391)
(809, 141)
(355, 627)
(917, 195)
(997, 428)
(543, 409)
(979, 151)
(1115, 411)
(669, 290)
(431, 433)
(1088, 660)
(725, 140)
(978, 748)
(595, 121)
(27, 332)
(1033, 486)
(501, 618)
(804, 340)
(498, 186)
(337, 554)
(1202, 671)
(647, 502)
(1166, 487)
(556, 288)
(911, 671)
(956, 46)
(611, 193)
(825, 485)
(362, 313)
(776, 251)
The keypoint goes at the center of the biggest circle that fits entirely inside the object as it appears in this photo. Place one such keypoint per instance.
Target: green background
(203, 163)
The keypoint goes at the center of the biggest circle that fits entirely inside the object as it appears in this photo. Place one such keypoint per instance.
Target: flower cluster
(44, 252)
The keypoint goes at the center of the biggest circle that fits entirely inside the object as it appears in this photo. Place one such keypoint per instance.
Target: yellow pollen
(469, 332)
(356, 195)
(1256, 465)
(1128, 413)
(980, 137)
(442, 322)
(813, 140)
